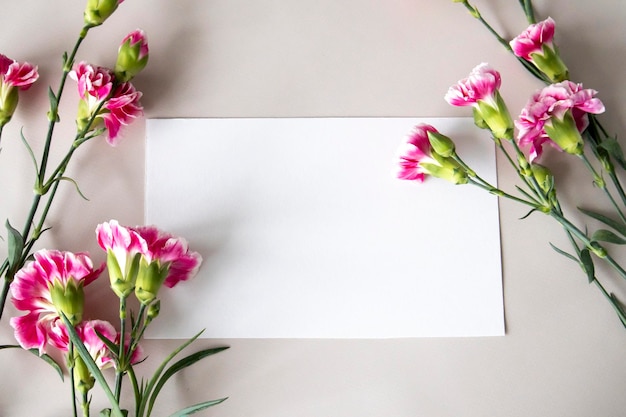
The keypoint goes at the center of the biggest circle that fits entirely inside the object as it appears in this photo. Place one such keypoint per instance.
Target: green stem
(85, 405)
(121, 369)
(601, 184)
(70, 353)
(527, 5)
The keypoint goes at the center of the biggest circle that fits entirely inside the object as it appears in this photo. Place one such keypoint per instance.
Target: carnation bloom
(481, 91)
(14, 76)
(121, 109)
(536, 45)
(94, 86)
(557, 115)
(124, 248)
(167, 261)
(50, 285)
(417, 159)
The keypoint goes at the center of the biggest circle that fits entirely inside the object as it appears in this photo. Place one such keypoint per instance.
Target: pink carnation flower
(553, 104)
(532, 40)
(94, 83)
(415, 152)
(172, 252)
(31, 292)
(480, 85)
(122, 108)
(17, 74)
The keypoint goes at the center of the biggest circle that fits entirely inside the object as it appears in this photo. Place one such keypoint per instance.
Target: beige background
(563, 354)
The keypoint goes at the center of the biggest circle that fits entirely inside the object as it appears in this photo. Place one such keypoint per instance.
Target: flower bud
(83, 380)
(97, 11)
(543, 176)
(153, 311)
(132, 56)
(68, 299)
(441, 144)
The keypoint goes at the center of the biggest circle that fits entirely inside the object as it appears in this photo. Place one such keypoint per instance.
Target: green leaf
(619, 309)
(587, 264)
(30, 151)
(612, 146)
(607, 236)
(197, 407)
(178, 366)
(616, 225)
(16, 247)
(91, 365)
(69, 180)
(46, 358)
(562, 252)
(527, 214)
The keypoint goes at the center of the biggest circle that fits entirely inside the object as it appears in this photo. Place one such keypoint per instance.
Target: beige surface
(563, 354)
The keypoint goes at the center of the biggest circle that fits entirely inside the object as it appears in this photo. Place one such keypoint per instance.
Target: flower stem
(70, 353)
(602, 185)
(122, 351)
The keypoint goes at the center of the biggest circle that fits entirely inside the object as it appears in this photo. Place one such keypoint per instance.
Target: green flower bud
(83, 380)
(97, 11)
(153, 311)
(132, 56)
(441, 144)
(69, 299)
(543, 176)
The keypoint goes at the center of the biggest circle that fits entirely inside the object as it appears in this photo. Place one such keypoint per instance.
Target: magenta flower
(132, 56)
(51, 284)
(557, 115)
(94, 83)
(167, 261)
(481, 91)
(17, 74)
(417, 158)
(121, 109)
(536, 45)
(14, 76)
(124, 249)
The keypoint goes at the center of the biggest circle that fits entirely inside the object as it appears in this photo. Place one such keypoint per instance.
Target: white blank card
(306, 233)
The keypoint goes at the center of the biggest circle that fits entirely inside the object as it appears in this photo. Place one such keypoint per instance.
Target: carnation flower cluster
(48, 286)
(562, 115)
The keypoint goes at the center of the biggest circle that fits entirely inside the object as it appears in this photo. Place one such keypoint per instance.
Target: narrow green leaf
(46, 358)
(91, 365)
(607, 236)
(528, 214)
(30, 151)
(619, 309)
(15, 247)
(113, 348)
(178, 366)
(616, 225)
(197, 407)
(69, 180)
(587, 264)
(562, 252)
